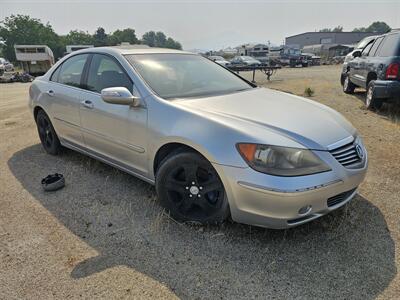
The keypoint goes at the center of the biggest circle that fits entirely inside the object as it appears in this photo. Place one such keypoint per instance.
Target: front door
(64, 94)
(116, 132)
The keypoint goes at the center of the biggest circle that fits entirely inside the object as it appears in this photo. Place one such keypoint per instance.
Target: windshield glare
(185, 75)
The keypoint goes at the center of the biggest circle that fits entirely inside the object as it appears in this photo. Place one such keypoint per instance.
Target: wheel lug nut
(201, 187)
(199, 195)
(193, 182)
(187, 187)
(190, 196)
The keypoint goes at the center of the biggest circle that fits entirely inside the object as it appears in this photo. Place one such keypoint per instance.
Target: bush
(309, 92)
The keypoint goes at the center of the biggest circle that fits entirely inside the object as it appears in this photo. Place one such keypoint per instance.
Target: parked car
(245, 61)
(6, 65)
(219, 60)
(376, 68)
(359, 47)
(211, 142)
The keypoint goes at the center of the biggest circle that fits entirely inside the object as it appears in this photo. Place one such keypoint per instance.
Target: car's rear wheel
(190, 189)
(348, 86)
(47, 134)
(370, 100)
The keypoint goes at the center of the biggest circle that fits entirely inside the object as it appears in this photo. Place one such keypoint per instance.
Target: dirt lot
(104, 235)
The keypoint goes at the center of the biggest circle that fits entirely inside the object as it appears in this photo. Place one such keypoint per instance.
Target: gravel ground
(104, 235)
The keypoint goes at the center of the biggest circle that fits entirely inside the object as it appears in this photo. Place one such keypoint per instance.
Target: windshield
(185, 75)
(217, 57)
(248, 58)
(364, 42)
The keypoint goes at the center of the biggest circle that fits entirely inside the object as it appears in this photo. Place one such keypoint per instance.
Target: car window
(71, 70)
(56, 73)
(105, 72)
(375, 46)
(185, 75)
(390, 46)
(366, 50)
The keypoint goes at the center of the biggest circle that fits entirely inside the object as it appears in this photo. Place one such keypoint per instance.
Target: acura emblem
(360, 151)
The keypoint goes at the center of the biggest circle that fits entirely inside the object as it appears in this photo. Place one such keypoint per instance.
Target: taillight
(392, 71)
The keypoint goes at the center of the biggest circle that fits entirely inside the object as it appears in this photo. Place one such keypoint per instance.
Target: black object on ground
(53, 182)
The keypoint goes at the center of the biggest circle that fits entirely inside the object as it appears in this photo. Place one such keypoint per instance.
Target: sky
(208, 25)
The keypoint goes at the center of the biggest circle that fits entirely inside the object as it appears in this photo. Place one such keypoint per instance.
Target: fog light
(305, 210)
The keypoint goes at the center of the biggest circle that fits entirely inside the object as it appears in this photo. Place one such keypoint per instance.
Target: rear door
(64, 93)
(116, 132)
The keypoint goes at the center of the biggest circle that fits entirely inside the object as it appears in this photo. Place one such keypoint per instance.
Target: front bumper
(276, 202)
(387, 89)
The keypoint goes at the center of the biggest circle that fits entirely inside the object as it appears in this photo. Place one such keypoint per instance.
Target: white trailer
(35, 59)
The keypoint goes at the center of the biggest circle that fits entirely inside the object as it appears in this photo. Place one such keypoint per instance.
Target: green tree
(377, 26)
(159, 39)
(22, 29)
(100, 37)
(149, 39)
(126, 35)
(76, 37)
(338, 28)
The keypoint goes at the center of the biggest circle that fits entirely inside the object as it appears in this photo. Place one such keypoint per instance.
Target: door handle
(50, 93)
(87, 104)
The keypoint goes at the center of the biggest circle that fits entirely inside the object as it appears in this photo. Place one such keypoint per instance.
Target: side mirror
(119, 95)
(357, 53)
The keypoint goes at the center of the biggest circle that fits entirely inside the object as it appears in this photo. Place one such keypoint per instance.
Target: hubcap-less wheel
(190, 189)
(45, 133)
(196, 191)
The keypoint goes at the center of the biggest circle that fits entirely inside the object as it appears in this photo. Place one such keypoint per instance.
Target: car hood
(309, 123)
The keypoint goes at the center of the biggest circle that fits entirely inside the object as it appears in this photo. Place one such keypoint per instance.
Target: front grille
(346, 155)
(335, 200)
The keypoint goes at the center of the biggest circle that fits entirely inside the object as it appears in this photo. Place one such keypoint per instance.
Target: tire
(189, 188)
(47, 134)
(348, 86)
(370, 99)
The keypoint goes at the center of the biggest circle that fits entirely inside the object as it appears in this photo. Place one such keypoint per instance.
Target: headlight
(281, 161)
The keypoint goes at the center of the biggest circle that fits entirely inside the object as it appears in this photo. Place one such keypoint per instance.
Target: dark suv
(375, 68)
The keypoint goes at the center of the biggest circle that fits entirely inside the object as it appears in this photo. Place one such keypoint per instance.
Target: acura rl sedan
(212, 143)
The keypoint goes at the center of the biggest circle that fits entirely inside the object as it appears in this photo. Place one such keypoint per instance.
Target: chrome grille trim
(346, 155)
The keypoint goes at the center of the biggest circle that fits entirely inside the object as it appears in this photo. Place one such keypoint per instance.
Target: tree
(75, 37)
(126, 35)
(100, 37)
(22, 29)
(377, 26)
(338, 28)
(159, 39)
(149, 39)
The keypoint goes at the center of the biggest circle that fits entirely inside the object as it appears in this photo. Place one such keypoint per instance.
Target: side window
(105, 72)
(56, 73)
(71, 70)
(366, 50)
(390, 46)
(375, 46)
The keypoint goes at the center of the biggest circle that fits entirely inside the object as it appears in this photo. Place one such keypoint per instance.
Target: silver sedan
(214, 144)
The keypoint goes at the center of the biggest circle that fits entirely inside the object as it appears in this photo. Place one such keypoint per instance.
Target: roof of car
(133, 49)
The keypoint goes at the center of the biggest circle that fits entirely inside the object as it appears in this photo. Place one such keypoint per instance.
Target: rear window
(390, 46)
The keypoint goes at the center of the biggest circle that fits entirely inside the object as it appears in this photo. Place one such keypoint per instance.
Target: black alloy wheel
(191, 190)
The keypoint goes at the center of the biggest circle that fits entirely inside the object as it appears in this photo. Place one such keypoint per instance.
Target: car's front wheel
(371, 102)
(47, 134)
(348, 86)
(190, 189)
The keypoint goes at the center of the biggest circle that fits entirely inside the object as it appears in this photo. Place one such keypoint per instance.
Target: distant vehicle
(36, 60)
(377, 69)
(219, 60)
(359, 47)
(286, 56)
(71, 48)
(245, 61)
(6, 65)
